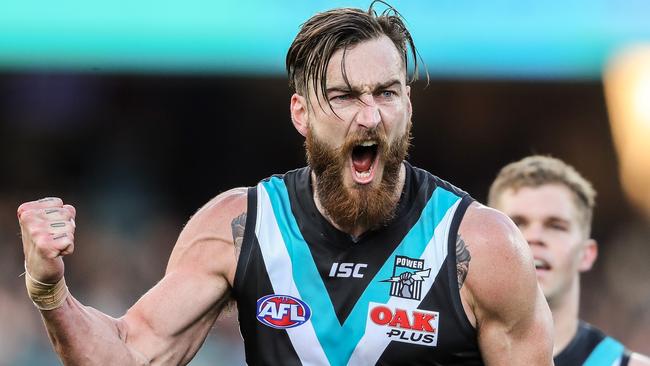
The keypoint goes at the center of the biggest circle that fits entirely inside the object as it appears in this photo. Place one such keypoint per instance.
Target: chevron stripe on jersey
(609, 352)
(591, 347)
(292, 271)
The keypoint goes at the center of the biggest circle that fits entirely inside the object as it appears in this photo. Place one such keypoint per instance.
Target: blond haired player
(552, 204)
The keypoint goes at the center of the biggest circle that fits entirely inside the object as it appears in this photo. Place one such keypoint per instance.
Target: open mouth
(542, 265)
(363, 159)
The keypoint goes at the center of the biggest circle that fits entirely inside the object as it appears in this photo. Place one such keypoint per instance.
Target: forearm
(82, 335)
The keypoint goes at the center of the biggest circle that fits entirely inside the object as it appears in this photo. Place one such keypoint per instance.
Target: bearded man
(357, 259)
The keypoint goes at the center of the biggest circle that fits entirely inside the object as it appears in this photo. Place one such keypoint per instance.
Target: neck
(357, 230)
(565, 316)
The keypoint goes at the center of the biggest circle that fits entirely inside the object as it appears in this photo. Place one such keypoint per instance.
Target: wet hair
(325, 33)
(536, 171)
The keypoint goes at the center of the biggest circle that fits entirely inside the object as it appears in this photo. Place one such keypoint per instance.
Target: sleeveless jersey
(591, 347)
(309, 294)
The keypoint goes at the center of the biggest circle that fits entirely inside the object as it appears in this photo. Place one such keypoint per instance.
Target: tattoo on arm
(462, 260)
(238, 225)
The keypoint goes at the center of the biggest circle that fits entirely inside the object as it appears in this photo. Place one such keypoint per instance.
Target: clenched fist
(47, 228)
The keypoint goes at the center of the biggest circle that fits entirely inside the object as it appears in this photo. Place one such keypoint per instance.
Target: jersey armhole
(466, 325)
(247, 242)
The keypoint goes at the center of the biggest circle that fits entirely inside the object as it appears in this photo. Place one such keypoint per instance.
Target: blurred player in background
(552, 204)
(357, 259)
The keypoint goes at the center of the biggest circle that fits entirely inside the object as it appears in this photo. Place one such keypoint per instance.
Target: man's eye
(558, 227)
(340, 98)
(388, 93)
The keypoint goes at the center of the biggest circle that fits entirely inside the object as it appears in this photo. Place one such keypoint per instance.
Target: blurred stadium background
(139, 112)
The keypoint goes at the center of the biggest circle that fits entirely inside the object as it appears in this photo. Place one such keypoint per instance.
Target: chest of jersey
(386, 299)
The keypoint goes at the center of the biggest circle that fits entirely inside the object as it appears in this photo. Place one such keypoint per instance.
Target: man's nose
(533, 235)
(368, 116)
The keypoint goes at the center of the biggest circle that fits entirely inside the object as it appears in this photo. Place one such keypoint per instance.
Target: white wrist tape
(46, 296)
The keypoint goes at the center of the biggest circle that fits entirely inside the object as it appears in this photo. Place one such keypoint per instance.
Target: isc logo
(282, 311)
(347, 270)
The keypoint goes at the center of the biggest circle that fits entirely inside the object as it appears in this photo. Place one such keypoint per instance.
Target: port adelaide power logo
(282, 311)
(399, 319)
(408, 274)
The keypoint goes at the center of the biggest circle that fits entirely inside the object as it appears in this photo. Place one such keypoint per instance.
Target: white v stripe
(279, 269)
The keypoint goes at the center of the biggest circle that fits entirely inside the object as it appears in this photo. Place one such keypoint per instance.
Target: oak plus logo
(408, 275)
(414, 326)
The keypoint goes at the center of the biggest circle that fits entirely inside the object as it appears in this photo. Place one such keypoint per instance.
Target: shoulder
(501, 275)
(217, 215)
(207, 239)
(494, 235)
(226, 205)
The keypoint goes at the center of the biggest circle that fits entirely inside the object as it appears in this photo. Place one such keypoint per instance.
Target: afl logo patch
(282, 311)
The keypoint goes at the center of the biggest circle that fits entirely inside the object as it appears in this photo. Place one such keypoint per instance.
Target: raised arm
(512, 317)
(170, 322)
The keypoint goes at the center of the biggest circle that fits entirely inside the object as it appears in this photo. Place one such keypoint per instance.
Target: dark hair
(325, 33)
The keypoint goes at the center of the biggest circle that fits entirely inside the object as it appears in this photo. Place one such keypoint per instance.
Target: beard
(363, 205)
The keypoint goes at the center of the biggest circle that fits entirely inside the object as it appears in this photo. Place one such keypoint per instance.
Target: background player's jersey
(309, 294)
(591, 347)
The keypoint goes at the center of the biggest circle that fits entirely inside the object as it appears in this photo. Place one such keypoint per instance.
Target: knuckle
(50, 212)
(66, 215)
(21, 209)
(49, 202)
(26, 205)
(51, 199)
(25, 215)
(70, 209)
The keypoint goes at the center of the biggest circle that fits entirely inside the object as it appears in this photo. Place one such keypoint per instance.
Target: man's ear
(589, 255)
(300, 113)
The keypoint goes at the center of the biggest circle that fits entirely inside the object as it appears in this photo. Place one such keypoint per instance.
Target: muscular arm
(170, 322)
(512, 318)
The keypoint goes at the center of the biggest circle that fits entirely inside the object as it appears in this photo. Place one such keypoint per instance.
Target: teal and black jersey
(591, 347)
(309, 294)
